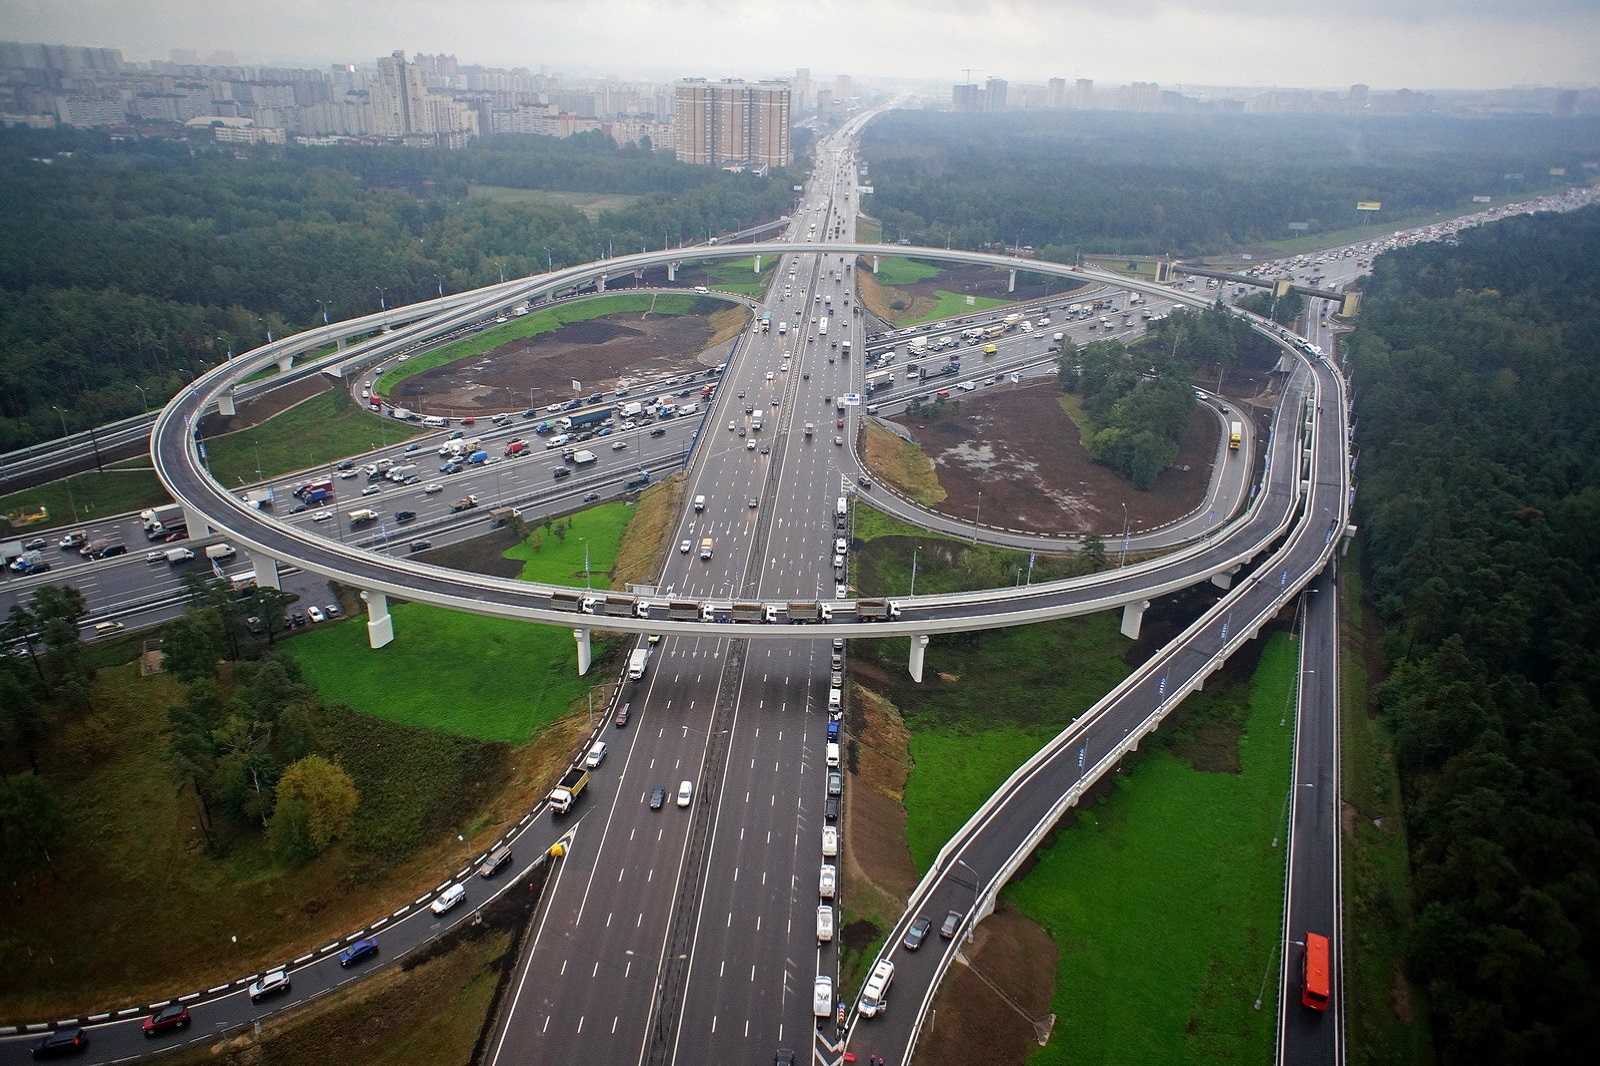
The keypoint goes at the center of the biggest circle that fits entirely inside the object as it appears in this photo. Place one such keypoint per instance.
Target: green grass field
(952, 305)
(468, 674)
(896, 270)
(86, 497)
(1166, 898)
(326, 428)
(739, 275)
(545, 321)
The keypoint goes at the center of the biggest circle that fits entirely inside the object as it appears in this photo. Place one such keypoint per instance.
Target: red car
(469, 421)
(621, 718)
(172, 1016)
(838, 423)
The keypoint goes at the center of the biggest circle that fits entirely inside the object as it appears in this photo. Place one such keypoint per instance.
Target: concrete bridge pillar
(758, 262)
(1011, 283)
(919, 649)
(380, 625)
(1348, 536)
(672, 271)
(338, 344)
(584, 655)
(1133, 617)
(874, 264)
(1224, 579)
(225, 403)
(638, 275)
(600, 283)
(196, 525)
(266, 570)
(284, 363)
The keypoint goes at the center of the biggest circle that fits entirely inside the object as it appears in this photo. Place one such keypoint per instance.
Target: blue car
(359, 951)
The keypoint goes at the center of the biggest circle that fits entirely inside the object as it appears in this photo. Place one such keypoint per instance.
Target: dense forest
(129, 265)
(1476, 374)
(1113, 181)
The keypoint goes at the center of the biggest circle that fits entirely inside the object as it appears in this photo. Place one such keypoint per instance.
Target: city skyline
(1418, 44)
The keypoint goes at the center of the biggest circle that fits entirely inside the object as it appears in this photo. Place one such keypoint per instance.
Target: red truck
(516, 447)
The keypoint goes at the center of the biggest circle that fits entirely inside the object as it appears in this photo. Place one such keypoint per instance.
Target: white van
(828, 880)
(841, 508)
(835, 700)
(875, 994)
(448, 898)
(435, 422)
(824, 923)
(596, 756)
(830, 841)
(833, 754)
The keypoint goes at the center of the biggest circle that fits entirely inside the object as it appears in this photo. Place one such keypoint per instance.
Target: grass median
(323, 429)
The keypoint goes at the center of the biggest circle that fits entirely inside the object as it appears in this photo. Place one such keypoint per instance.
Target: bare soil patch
(605, 354)
(1016, 959)
(917, 300)
(875, 851)
(1014, 448)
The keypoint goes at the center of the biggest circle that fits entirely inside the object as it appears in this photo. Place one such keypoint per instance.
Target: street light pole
(914, 552)
(1124, 560)
(143, 397)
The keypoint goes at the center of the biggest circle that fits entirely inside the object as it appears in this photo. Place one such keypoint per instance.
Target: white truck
(179, 555)
(638, 660)
(584, 458)
(220, 551)
(632, 409)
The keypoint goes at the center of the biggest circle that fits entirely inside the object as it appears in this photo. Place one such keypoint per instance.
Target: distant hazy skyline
(1387, 44)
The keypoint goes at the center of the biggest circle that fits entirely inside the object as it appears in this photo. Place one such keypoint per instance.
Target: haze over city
(1420, 44)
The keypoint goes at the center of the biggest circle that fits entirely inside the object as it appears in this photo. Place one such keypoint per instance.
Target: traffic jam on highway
(763, 541)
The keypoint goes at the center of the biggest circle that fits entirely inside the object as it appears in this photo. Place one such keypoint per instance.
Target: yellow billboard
(1369, 205)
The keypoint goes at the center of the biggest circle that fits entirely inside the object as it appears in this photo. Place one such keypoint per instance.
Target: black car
(560, 472)
(36, 544)
(114, 549)
(61, 1042)
(830, 809)
(590, 497)
(348, 464)
(658, 796)
(658, 432)
(297, 508)
(917, 933)
(421, 545)
(404, 516)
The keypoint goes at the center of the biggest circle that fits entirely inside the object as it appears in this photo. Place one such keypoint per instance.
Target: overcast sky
(1388, 44)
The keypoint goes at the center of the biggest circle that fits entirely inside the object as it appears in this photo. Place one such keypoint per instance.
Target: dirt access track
(607, 353)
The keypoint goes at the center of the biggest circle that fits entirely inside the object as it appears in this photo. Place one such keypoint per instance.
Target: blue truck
(593, 416)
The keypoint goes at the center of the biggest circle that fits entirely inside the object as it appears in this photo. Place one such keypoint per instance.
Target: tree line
(1475, 370)
(126, 267)
(1104, 181)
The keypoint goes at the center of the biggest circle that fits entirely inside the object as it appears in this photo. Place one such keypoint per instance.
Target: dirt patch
(982, 1004)
(1212, 745)
(875, 853)
(604, 354)
(1010, 457)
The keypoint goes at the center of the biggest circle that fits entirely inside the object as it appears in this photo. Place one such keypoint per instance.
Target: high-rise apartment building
(1055, 94)
(732, 123)
(994, 94)
(398, 96)
(967, 97)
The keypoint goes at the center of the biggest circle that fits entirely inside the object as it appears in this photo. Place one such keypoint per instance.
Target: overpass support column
(638, 275)
(380, 625)
(266, 570)
(1132, 617)
(195, 524)
(672, 271)
(338, 344)
(225, 403)
(919, 648)
(758, 262)
(1224, 579)
(1348, 536)
(600, 283)
(874, 264)
(584, 656)
(284, 363)
(1011, 283)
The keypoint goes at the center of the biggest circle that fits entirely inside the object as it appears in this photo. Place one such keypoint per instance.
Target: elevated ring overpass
(208, 504)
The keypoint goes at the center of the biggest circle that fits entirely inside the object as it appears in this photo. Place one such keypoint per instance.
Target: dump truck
(877, 610)
(566, 601)
(618, 606)
(638, 660)
(466, 503)
(805, 613)
(567, 790)
(754, 612)
(683, 610)
(502, 515)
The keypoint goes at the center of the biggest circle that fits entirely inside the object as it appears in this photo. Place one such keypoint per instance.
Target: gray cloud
(1385, 43)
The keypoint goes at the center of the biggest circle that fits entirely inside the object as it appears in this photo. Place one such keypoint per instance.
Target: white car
(840, 592)
(346, 475)
(269, 984)
(783, 367)
(616, 446)
(770, 375)
(828, 880)
(830, 841)
(685, 547)
(372, 490)
(553, 408)
(429, 490)
(685, 793)
(315, 614)
(321, 516)
(749, 445)
(822, 992)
